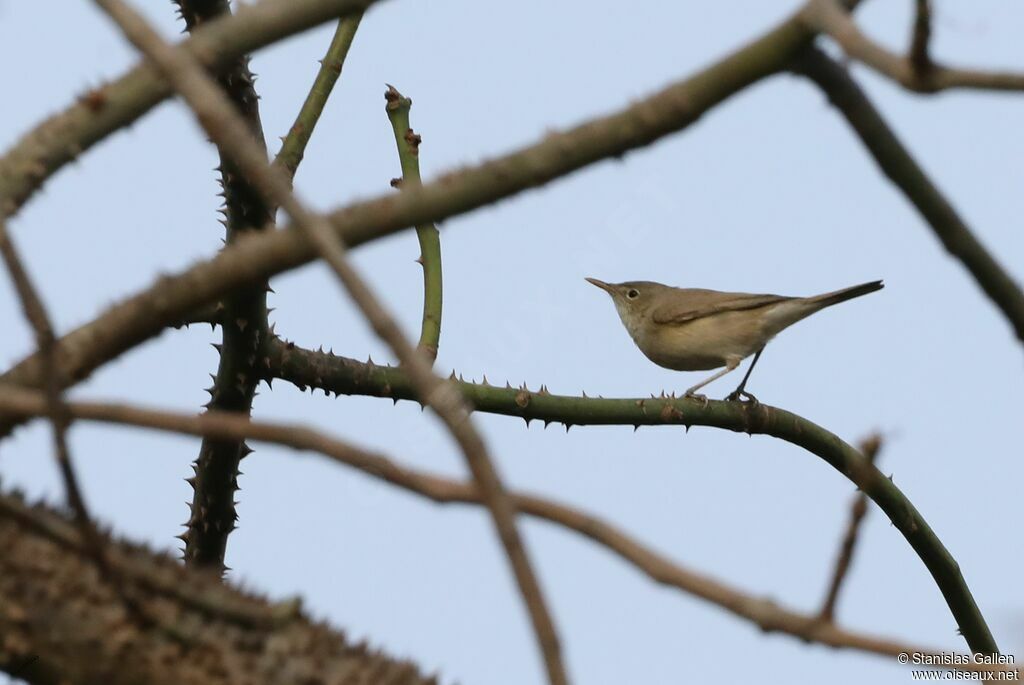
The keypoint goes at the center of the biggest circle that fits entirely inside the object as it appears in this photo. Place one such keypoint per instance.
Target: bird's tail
(829, 299)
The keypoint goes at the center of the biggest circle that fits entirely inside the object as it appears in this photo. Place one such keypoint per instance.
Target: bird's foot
(738, 395)
(703, 399)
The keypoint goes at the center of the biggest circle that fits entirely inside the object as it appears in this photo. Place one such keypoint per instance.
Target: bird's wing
(701, 303)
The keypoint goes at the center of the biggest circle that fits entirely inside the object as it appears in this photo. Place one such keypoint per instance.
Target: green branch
(332, 374)
(408, 142)
(294, 146)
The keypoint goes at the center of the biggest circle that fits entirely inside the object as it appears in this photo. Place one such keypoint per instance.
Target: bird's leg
(739, 393)
(692, 392)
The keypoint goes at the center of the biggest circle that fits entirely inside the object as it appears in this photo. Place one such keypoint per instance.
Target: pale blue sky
(767, 193)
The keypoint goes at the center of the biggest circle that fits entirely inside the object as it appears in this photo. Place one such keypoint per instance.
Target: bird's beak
(602, 285)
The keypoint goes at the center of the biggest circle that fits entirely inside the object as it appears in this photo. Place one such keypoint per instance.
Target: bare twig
(227, 129)
(763, 612)
(35, 313)
(903, 170)
(294, 146)
(829, 17)
(919, 58)
(869, 447)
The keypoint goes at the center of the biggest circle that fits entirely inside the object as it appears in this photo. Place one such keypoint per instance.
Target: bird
(693, 329)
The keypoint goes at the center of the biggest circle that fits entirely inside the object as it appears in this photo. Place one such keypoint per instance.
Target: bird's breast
(705, 343)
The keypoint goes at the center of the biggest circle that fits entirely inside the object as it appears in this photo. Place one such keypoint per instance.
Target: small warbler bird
(692, 329)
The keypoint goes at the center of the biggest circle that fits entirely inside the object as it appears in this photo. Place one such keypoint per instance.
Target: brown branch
(93, 116)
(193, 590)
(903, 170)
(919, 58)
(61, 623)
(869, 447)
(763, 612)
(37, 316)
(171, 299)
(828, 16)
(229, 131)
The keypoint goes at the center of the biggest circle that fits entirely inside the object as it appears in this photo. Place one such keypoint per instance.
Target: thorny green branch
(228, 130)
(408, 142)
(332, 374)
(763, 612)
(172, 298)
(294, 146)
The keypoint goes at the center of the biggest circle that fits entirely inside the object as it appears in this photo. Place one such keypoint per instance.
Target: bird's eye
(633, 293)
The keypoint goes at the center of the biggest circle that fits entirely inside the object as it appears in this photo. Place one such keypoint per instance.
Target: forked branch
(829, 16)
(228, 130)
(763, 612)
